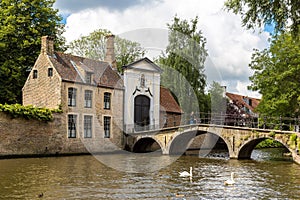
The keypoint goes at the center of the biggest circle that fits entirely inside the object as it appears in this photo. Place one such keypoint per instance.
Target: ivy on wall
(29, 112)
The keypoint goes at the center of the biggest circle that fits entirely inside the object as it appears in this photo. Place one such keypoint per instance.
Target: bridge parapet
(240, 141)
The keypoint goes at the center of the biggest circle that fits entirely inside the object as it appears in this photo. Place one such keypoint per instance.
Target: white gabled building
(142, 95)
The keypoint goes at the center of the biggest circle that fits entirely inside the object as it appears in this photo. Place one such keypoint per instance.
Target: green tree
(218, 99)
(218, 103)
(22, 24)
(183, 64)
(276, 76)
(94, 46)
(281, 13)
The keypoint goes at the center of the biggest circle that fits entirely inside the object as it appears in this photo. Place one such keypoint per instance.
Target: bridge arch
(180, 142)
(146, 144)
(247, 148)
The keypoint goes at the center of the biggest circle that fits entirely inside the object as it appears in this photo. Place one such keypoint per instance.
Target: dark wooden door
(141, 110)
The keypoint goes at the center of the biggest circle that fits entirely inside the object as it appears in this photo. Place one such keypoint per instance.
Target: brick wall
(168, 119)
(43, 91)
(27, 137)
(32, 137)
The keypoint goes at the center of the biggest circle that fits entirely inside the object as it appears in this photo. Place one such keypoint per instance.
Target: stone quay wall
(20, 137)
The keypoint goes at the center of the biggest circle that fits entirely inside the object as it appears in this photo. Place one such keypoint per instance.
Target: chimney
(47, 46)
(110, 51)
(224, 91)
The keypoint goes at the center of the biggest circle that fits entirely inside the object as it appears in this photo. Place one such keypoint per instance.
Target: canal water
(267, 176)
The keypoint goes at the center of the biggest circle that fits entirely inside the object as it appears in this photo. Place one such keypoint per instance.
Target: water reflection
(137, 162)
(84, 177)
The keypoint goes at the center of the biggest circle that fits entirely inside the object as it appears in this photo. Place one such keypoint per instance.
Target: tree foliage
(276, 76)
(261, 12)
(218, 99)
(183, 64)
(94, 46)
(22, 24)
(269, 143)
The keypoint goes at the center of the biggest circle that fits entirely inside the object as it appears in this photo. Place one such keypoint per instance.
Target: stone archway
(247, 148)
(179, 144)
(145, 145)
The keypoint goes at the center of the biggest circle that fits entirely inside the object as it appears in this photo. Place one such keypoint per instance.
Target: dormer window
(88, 78)
(35, 74)
(50, 72)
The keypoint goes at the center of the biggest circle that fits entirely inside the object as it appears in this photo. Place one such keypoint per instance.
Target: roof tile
(167, 102)
(103, 74)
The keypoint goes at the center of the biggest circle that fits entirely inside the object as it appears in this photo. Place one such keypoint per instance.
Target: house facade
(243, 104)
(99, 105)
(241, 110)
(89, 92)
(142, 95)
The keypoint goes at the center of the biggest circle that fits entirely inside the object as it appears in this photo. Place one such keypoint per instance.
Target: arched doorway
(141, 112)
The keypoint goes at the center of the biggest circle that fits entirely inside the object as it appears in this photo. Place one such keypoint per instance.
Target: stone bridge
(240, 141)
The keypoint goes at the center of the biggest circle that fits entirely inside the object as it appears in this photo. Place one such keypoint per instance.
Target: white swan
(230, 181)
(185, 173)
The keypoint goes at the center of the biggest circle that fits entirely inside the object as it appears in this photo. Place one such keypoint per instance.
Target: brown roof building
(243, 104)
(170, 111)
(95, 98)
(89, 92)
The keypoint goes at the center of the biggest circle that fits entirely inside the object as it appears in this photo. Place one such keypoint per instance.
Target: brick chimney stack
(224, 91)
(110, 51)
(47, 46)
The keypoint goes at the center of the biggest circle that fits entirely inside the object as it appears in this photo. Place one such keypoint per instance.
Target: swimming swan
(185, 173)
(230, 181)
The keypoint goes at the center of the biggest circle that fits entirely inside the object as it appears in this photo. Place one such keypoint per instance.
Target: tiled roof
(167, 102)
(68, 65)
(242, 101)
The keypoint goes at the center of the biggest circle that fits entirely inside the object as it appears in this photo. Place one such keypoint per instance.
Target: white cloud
(229, 45)
(241, 88)
(77, 5)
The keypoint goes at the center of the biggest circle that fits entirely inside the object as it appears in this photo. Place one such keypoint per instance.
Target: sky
(229, 45)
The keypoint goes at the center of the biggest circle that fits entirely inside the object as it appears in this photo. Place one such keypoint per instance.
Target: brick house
(89, 92)
(241, 110)
(243, 104)
(170, 111)
(97, 102)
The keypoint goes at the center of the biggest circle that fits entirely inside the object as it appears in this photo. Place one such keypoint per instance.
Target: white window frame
(88, 128)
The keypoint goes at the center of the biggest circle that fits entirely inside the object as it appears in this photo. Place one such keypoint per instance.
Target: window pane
(88, 78)
(107, 100)
(88, 99)
(35, 74)
(72, 126)
(107, 127)
(88, 126)
(50, 71)
(71, 97)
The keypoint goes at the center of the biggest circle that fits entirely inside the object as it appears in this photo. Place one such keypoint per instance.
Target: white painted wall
(132, 81)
